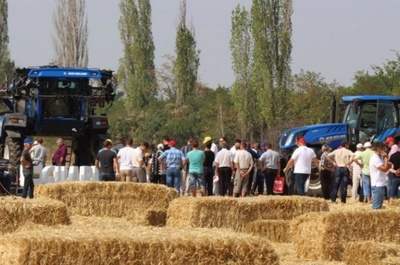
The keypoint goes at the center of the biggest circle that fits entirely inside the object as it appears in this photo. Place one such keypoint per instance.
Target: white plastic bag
(306, 184)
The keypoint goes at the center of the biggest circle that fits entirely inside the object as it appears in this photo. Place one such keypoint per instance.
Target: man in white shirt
(244, 164)
(224, 169)
(301, 159)
(139, 172)
(124, 157)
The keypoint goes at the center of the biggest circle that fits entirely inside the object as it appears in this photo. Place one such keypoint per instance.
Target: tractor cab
(370, 117)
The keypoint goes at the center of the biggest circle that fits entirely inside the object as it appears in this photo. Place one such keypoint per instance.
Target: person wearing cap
(270, 164)
(378, 166)
(340, 159)
(124, 157)
(301, 159)
(27, 169)
(326, 172)
(390, 143)
(173, 160)
(139, 172)
(356, 176)
(157, 173)
(364, 157)
(107, 163)
(208, 169)
(39, 153)
(61, 153)
(214, 147)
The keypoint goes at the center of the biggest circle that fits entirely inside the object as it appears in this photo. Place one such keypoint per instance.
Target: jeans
(366, 184)
(394, 187)
(341, 175)
(174, 178)
(389, 182)
(28, 185)
(300, 180)
(106, 176)
(270, 175)
(196, 180)
(326, 183)
(378, 193)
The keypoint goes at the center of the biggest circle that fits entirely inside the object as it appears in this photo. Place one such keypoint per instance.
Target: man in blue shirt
(173, 160)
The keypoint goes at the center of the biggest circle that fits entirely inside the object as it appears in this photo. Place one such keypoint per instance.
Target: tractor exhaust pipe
(333, 109)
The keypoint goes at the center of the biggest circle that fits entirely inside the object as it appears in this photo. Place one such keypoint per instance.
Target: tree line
(264, 100)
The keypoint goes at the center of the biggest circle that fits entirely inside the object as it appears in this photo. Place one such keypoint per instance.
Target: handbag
(279, 185)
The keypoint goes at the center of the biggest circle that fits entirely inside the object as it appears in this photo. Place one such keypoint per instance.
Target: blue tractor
(366, 118)
(59, 102)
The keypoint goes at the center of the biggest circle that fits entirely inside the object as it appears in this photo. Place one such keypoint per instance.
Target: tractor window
(387, 115)
(368, 121)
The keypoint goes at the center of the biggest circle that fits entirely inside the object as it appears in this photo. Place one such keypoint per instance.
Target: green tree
(187, 59)
(70, 40)
(272, 31)
(6, 65)
(136, 71)
(243, 93)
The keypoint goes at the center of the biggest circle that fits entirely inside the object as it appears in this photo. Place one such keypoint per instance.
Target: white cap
(360, 145)
(160, 146)
(367, 144)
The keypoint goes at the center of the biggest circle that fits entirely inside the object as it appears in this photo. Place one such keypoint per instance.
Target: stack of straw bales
(236, 213)
(369, 252)
(97, 241)
(137, 201)
(323, 235)
(273, 230)
(16, 212)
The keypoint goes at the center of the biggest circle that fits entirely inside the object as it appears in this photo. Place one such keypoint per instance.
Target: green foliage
(272, 31)
(137, 71)
(187, 60)
(6, 65)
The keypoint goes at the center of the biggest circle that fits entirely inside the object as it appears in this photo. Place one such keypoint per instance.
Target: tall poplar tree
(71, 33)
(272, 31)
(6, 65)
(136, 70)
(243, 94)
(187, 60)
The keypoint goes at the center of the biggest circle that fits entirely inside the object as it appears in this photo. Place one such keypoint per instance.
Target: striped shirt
(173, 157)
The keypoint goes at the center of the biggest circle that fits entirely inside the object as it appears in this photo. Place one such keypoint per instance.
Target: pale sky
(336, 38)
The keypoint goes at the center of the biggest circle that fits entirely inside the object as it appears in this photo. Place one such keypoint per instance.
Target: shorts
(196, 180)
(240, 184)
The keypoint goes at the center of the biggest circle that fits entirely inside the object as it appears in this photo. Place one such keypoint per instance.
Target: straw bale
(323, 235)
(236, 213)
(273, 230)
(95, 240)
(114, 199)
(15, 212)
(369, 252)
(151, 217)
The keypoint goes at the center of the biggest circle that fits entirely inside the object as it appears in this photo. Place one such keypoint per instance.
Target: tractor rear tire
(12, 151)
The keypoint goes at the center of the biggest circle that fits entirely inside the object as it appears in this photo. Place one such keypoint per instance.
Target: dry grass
(322, 236)
(113, 199)
(102, 240)
(15, 212)
(236, 213)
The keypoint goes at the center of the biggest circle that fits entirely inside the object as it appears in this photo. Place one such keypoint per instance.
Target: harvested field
(273, 230)
(95, 240)
(323, 235)
(236, 213)
(113, 199)
(369, 252)
(15, 212)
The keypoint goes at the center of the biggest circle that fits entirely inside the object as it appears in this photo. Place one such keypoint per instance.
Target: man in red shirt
(61, 153)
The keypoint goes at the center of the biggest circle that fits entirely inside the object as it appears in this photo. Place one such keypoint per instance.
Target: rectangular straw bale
(15, 212)
(100, 241)
(236, 213)
(322, 236)
(369, 252)
(273, 230)
(114, 199)
(150, 217)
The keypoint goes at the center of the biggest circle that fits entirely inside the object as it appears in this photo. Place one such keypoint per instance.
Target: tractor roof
(55, 72)
(370, 98)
